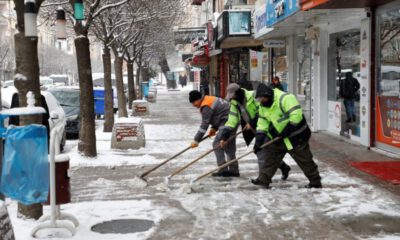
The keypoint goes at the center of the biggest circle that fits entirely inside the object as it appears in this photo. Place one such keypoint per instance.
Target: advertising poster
(365, 80)
(388, 120)
(239, 23)
(334, 116)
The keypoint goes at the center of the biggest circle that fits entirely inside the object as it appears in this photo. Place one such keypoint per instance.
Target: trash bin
(99, 95)
(63, 192)
(145, 89)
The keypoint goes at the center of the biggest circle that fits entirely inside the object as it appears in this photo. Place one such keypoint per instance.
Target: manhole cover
(123, 226)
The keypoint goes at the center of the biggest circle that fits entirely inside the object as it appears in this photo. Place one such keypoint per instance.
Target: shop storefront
(234, 38)
(387, 102)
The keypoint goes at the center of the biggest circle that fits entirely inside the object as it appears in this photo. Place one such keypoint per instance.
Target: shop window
(304, 76)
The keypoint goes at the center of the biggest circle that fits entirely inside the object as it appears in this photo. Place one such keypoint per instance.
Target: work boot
(258, 182)
(234, 174)
(313, 185)
(221, 174)
(285, 171)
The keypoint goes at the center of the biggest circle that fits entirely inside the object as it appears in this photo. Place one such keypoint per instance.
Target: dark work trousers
(270, 158)
(229, 150)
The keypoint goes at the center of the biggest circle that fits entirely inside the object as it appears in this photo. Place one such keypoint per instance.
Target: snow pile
(133, 120)
(92, 213)
(20, 77)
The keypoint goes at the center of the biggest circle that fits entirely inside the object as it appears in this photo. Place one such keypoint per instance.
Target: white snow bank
(92, 213)
(20, 77)
(128, 120)
(23, 111)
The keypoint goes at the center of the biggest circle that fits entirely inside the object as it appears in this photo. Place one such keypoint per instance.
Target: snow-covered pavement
(107, 188)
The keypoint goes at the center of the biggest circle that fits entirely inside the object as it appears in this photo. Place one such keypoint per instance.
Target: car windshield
(67, 98)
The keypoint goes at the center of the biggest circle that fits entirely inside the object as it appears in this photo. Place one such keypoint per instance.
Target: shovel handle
(234, 160)
(202, 156)
(169, 159)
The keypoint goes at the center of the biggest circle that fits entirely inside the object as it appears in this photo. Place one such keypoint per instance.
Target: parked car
(69, 101)
(57, 116)
(8, 83)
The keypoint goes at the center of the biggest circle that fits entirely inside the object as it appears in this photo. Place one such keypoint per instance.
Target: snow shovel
(169, 159)
(202, 156)
(234, 160)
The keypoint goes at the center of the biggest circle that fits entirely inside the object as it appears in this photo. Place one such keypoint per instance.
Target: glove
(212, 132)
(260, 139)
(194, 144)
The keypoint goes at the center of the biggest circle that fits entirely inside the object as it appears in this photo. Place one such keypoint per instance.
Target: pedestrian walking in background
(280, 115)
(244, 111)
(276, 83)
(244, 82)
(183, 80)
(214, 111)
(349, 92)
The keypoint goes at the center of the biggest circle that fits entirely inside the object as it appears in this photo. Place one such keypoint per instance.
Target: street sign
(274, 43)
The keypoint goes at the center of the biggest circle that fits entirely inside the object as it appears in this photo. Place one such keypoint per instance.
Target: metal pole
(53, 134)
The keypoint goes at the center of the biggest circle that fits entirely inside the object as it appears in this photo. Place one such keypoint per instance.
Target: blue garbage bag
(25, 173)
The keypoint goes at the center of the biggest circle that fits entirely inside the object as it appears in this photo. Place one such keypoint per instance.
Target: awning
(336, 4)
(296, 24)
(237, 42)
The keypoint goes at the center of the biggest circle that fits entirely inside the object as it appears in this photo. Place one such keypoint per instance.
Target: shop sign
(187, 35)
(274, 43)
(201, 60)
(277, 10)
(260, 22)
(309, 4)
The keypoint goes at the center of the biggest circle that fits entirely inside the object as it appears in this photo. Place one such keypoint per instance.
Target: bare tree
(27, 65)
(93, 9)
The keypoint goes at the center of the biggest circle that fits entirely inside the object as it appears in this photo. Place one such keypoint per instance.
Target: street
(107, 188)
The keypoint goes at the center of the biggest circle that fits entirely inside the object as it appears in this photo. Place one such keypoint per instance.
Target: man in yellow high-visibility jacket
(280, 115)
(244, 112)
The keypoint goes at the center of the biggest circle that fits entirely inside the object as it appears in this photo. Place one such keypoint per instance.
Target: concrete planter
(128, 133)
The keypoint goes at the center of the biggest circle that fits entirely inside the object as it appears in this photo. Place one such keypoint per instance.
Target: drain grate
(123, 226)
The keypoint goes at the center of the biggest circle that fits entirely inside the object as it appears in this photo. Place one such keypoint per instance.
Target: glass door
(388, 78)
(344, 83)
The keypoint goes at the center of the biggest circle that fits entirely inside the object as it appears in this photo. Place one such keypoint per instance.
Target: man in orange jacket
(214, 112)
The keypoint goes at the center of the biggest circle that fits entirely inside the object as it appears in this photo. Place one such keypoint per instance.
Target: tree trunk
(163, 63)
(87, 135)
(27, 64)
(131, 85)
(6, 230)
(138, 82)
(108, 99)
(122, 112)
